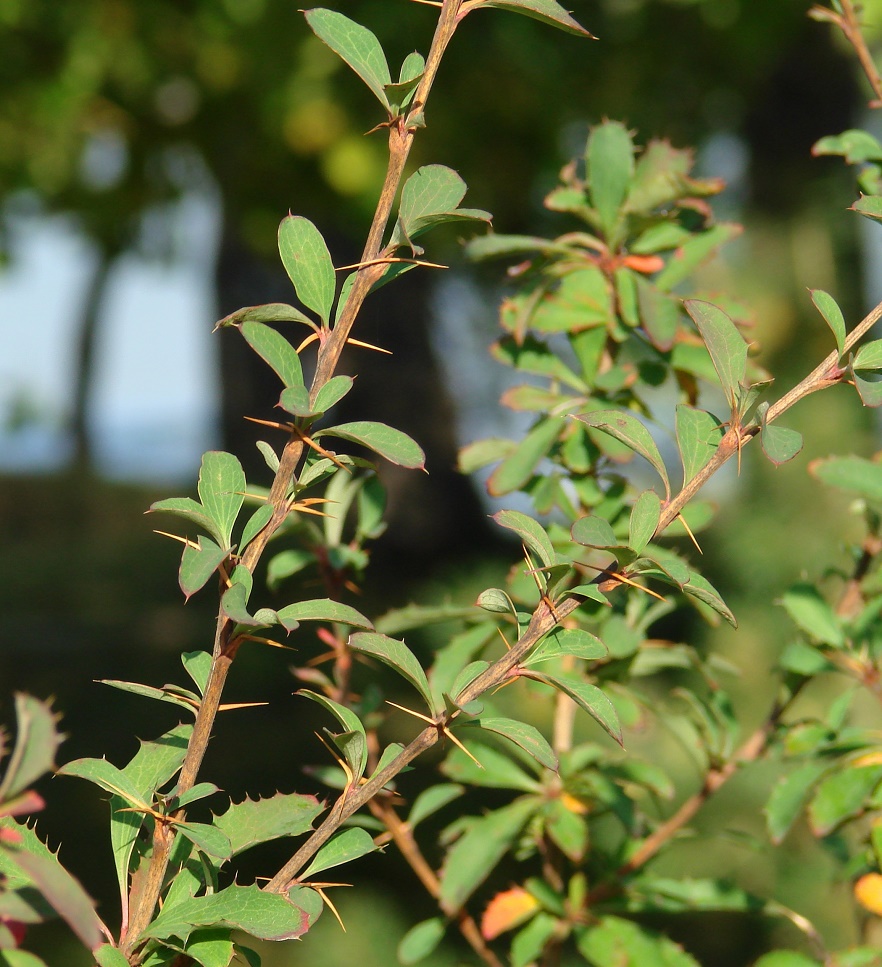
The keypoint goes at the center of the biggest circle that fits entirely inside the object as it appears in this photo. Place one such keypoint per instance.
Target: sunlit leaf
(726, 345)
(826, 305)
(356, 45)
(645, 516)
(588, 697)
(275, 350)
(344, 847)
(609, 162)
(252, 822)
(395, 446)
(396, 655)
(530, 532)
(324, 609)
(547, 11)
(698, 435)
(627, 429)
(308, 263)
(506, 911)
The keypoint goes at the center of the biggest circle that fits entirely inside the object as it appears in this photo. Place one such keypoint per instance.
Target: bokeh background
(148, 149)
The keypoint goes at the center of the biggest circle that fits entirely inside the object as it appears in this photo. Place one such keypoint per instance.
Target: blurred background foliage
(115, 110)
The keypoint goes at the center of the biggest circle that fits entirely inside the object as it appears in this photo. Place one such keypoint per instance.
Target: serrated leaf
(627, 429)
(524, 736)
(357, 46)
(395, 446)
(474, 855)
(324, 609)
(547, 11)
(530, 532)
(698, 435)
(344, 847)
(588, 697)
(36, 864)
(267, 916)
(826, 305)
(221, 487)
(198, 564)
(397, 656)
(609, 160)
(645, 516)
(726, 345)
(594, 531)
(355, 751)
(275, 350)
(252, 822)
(36, 743)
(421, 940)
(788, 798)
(308, 263)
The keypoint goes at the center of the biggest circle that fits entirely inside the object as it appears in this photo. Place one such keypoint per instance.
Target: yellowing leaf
(507, 910)
(868, 892)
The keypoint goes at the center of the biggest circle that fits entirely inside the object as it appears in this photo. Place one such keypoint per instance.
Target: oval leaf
(342, 848)
(395, 446)
(826, 305)
(396, 655)
(644, 520)
(629, 430)
(308, 263)
(726, 345)
(530, 532)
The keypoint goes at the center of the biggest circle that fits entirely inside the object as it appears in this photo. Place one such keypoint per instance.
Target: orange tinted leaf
(647, 264)
(507, 910)
(868, 892)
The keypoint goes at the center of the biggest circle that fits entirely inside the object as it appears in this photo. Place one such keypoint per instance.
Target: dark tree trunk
(84, 360)
(430, 515)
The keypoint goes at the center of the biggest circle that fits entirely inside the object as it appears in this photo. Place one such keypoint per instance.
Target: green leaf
(421, 940)
(221, 487)
(645, 516)
(324, 609)
(813, 615)
(395, 446)
(157, 761)
(519, 466)
(629, 430)
(701, 589)
(869, 390)
(855, 145)
(788, 799)
(430, 800)
(786, 958)
(199, 563)
(826, 305)
(252, 822)
(107, 956)
(431, 196)
(496, 601)
(523, 735)
(36, 743)
(698, 435)
(295, 400)
(610, 167)
(474, 855)
(211, 947)
(396, 655)
(850, 473)
(726, 345)
(344, 847)
(780, 444)
(530, 532)
(615, 942)
(273, 312)
(356, 45)
(107, 776)
(547, 11)
(274, 349)
(255, 524)
(21, 958)
(530, 941)
(355, 751)
(209, 839)
(202, 790)
(190, 510)
(267, 916)
(594, 532)
(332, 392)
(869, 205)
(869, 356)
(842, 796)
(659, 314)
(567, 641)
(692, 253)
(32, 861)
(588, 697)
(308, 263)
(197, 664)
